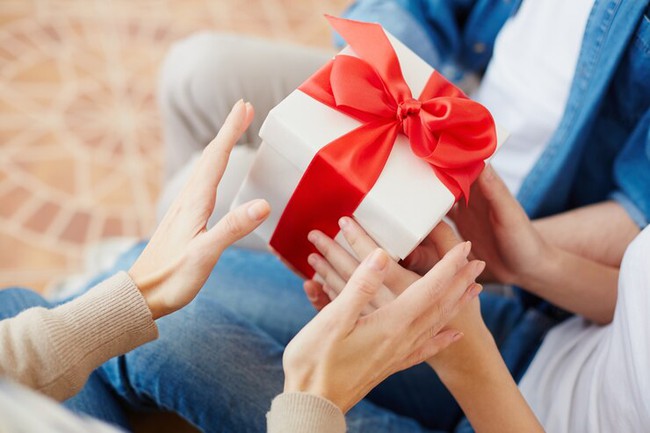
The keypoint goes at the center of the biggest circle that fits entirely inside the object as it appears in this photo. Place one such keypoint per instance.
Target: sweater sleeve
(298, 412)
(55, 350)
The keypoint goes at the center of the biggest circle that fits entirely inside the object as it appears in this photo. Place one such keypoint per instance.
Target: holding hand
(501, 233)
(182, 252)
(342, 354)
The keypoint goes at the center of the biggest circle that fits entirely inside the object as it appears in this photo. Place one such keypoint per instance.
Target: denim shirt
(601, 147)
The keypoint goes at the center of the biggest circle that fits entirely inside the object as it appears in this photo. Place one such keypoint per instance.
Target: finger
(444, 238)
(339, 259)
(504, 207)
(236, 224)
(362, 287)
(433, 346)
(336, 276)
(326, 272)
(421, 259)
(362, 245)
(315, 293)
(428, 290)
(459, 293)
(214, 159)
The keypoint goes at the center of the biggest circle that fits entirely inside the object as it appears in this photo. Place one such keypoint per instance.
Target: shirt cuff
(632, 210)
(298, 412)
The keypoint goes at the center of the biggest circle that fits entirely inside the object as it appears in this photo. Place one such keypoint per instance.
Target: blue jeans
(218, 361)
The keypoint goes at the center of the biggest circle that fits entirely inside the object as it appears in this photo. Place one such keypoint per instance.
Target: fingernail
(309, 291)
(312, 237)
(344, 223)
(467, 247)
(258, 210)
(475, 290)
(457, 336)
(377, 260)
(312, 259)
(479, 266)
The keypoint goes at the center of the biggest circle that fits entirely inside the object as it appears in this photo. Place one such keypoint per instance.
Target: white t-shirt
(527, 82)
(587, 378)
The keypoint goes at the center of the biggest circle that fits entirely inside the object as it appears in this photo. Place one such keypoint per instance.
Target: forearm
(474, 372)
(575, 283)
(54, 351)
(600, 232)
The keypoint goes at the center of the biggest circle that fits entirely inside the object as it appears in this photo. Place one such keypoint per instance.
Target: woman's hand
(182, 252)
(343, 353)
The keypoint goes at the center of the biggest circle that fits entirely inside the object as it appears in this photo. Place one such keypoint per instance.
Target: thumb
(236, 224)
(362, 286)
(503, 205)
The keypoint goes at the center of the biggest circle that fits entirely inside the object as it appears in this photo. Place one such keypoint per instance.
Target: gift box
(376, 134)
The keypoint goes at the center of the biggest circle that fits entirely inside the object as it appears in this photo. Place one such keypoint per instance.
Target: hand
(424, 256)
(336, 265)
(500, 231)
(341, 355)
(182, 252)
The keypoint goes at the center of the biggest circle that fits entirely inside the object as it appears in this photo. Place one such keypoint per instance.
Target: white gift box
(406, 202)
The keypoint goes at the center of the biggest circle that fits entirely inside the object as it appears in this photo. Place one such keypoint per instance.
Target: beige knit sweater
(55, 350)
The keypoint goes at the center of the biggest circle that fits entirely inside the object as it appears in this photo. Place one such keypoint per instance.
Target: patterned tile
(80, 145)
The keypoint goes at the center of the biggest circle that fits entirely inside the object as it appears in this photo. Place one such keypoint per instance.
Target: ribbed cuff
(297, 412)
(109, 320)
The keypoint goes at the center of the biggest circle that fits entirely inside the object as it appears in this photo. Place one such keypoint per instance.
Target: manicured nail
(457, 336)
(344, 223)
(467, 247)
(377, 260)
(312, 237)
(258, 210)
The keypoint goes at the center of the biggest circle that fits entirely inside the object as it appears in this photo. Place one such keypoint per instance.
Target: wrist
(537, 274)
(466, 357)
(149, 287)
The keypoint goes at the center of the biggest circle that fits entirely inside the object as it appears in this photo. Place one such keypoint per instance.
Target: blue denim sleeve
(442, 32)
(632, 173)
(400, 22)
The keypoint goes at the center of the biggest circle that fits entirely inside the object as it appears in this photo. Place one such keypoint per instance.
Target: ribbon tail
(334, 184)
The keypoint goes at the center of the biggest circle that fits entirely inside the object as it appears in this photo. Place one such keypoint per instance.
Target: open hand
(182, 252)
(342, 354)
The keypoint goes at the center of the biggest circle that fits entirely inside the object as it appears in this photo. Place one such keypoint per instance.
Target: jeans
(218, 362)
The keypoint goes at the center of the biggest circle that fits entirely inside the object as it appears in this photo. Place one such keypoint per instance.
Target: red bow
(446, 129)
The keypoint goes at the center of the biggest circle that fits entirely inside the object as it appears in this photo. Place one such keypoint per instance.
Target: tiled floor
(80, 152)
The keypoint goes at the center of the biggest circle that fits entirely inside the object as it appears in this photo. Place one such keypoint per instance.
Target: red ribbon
(446, 129)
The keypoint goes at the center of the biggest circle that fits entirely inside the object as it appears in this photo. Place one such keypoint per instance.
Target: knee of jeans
(13, 300)
(204, 57)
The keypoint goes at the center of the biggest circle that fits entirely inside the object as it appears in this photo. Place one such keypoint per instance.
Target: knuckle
(433, 291)
(365, 285)
(232, 225)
